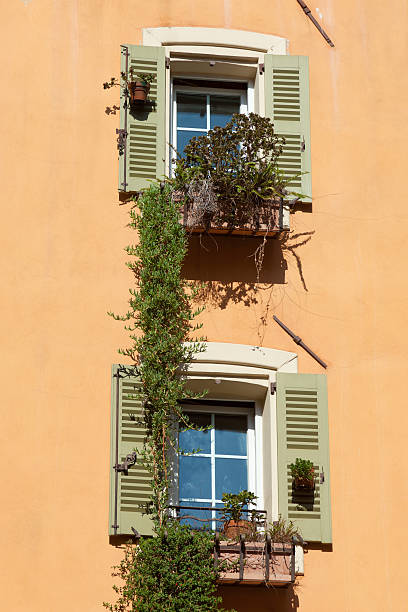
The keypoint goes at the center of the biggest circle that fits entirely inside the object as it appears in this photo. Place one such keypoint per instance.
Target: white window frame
(245, 373)
(246, 104)
(211, 53)
(214, 53)
(249, 412)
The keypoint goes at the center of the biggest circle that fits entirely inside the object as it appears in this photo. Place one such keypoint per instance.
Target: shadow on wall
(259, 598)
(236, 268)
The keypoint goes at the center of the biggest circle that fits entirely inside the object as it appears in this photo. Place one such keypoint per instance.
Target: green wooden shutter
(143, 156)
(303, 432)
(133, 489)
(287, 104)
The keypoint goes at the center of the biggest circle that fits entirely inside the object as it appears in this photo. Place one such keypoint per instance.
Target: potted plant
(302, 472)
(283, 531)
(137, 84)
(235, 505)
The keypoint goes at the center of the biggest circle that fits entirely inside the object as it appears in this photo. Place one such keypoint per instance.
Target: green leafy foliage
(283, 530)
(232, 174)
(173, 572)
(235, 505)
(160, 323)
(302, 469)
(131, 77)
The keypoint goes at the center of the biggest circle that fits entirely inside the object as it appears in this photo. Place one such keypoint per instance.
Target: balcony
(249, 559)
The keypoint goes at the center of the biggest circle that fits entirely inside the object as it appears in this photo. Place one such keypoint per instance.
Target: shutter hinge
(123, 467)
(167, 64)
(273, 388)
(321, 477)
(121, 140)
(303, 144)
(261, 68)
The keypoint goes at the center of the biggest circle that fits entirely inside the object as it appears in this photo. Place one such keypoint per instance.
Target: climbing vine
(160, 308)
(173, 571)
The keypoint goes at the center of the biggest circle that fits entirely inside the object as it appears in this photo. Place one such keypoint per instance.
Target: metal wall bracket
(308, 12)
(321, 477)
(300, 342)
(241, 555)
(129, 461)
(121, 140)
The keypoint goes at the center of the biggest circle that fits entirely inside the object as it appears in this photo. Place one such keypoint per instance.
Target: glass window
(197, 113)
(219, 465)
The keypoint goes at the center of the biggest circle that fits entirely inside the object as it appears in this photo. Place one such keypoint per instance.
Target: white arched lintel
(246, 358)
(215, 37)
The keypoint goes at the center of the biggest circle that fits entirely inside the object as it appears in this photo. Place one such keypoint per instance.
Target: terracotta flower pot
(233, 529)
(304, 483)
(138, 91)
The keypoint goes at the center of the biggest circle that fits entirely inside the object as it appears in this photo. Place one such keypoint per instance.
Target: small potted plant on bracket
(302, 472)
(235, 506)
(137, 84)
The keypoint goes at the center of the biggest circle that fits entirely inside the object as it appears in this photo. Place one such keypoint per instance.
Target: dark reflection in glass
(230, 435)
(191, 110)
(222, 108)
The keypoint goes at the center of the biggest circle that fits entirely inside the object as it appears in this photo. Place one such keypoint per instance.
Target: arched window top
(215, 37)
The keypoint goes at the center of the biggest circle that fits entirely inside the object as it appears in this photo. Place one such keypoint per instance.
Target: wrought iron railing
(276, 561)
(186, 513)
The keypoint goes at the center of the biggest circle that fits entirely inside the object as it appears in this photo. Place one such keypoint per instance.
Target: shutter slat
(145, 125)
(287, 104)
(303, 432)
(134, 489)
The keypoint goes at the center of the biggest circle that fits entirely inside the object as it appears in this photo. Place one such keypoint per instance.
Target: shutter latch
(121, 140)
(123, 467)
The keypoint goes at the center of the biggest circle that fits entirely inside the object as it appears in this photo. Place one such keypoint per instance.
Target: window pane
(190, 440)
(222, 108)
(230, 435)
(194, 477)
(230, 476)
(200, 514)
(183, 136)
(191, 110)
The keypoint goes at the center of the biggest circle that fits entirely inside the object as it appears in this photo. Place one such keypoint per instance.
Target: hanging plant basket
(138, 91)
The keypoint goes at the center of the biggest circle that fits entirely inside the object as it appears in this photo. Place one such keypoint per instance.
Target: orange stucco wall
(62, 269)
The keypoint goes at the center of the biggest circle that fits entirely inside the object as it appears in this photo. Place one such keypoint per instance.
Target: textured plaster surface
(62, 268)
